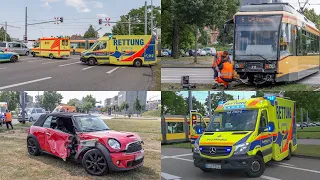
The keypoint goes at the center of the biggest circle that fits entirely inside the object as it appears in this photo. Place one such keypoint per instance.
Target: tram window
(82, 45)
(304, 42)
(175, 127)
(286, 44)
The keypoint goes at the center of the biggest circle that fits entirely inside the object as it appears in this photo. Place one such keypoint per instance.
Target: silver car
(32, 114)
(16, 47)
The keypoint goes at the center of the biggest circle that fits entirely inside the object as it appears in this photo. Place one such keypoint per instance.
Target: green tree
(136, 16)
(50, 100)
(90, 33)
(220, 96)
(204, 38)
(88, 103)
(10, 97)
(137, 106)
(2, 33)
(312, 16)
(173, 104)
(107, 34)
(196, 105)
(124, 106)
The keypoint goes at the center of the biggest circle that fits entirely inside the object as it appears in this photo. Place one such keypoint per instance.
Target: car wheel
(257, 167)
(206, 170)
(95, 163)
(14, 59)
(30, 119)
(33, 147)
(137, 63)
(33, 54)
(91, 61)
(289, 154)
(27, 53)
(51, 56)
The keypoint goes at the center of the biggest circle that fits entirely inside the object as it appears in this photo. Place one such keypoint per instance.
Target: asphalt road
(177, 164)
(205, 76)
(43, 74)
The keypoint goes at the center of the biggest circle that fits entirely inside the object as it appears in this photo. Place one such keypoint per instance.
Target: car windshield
(2, 109)
(91, 123)
(257, 37)
(235, 120)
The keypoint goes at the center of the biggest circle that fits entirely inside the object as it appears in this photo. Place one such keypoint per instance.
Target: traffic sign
(108, 20)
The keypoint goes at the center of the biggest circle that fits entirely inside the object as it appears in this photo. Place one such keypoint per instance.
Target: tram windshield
(257, 37)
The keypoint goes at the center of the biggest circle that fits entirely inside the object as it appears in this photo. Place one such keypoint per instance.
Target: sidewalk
(309, 141)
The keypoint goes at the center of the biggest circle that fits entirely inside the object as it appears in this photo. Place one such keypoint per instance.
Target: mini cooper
(87, 140)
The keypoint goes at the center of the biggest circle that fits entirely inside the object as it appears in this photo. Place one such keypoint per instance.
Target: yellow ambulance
(52, 47)
(134, 50)
(252, 133)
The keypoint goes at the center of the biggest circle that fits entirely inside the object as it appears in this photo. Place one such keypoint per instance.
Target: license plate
(254, 67)
(139, 156)
(213, 166)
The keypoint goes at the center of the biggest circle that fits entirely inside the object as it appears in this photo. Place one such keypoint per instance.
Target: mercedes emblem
(212, 150)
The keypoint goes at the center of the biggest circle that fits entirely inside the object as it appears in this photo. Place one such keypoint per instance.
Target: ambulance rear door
(150, 51)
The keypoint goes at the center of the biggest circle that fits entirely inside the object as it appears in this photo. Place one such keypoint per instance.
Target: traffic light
(100, 21)
(26, 97)
(25, 38)
(61, 19)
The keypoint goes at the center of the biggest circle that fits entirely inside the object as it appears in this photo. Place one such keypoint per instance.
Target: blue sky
(77, 14)
(202, 95)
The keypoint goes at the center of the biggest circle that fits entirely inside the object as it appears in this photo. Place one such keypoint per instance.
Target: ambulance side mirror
(262, 129)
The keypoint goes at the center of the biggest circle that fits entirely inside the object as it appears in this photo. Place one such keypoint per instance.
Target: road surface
(177, 164)
(205, 76)
(43, 74)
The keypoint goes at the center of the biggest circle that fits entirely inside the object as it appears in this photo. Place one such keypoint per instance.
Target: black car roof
(43, 117)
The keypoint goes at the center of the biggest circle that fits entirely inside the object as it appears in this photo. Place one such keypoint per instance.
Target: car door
(43, 140)
(33, 114)
(2, 55)
(57, 141)
(39, 113)
(16, 48)
(24, 49)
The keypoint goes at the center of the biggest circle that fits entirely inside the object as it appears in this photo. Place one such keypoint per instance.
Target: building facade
(130, 97)
(107, 102)
(153, 105)
(114, 101)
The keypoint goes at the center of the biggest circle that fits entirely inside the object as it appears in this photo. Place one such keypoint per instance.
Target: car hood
(224, 138)
(123, 137)
(12, 53)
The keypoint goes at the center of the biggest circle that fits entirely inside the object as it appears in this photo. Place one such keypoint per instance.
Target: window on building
(175, 127)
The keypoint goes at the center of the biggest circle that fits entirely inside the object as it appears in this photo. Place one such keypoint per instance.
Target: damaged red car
(87, 140)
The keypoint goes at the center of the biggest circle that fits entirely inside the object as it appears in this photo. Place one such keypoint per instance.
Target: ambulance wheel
(289, 154)
(257, 167)
(91, 61)
(137, 63)
(27, 53)
(51, 56)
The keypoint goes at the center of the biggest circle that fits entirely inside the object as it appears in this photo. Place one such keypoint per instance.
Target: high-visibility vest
(8, 117)
(216, 63)
(227, 70)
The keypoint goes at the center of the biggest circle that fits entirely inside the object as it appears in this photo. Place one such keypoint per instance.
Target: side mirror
(262, 129)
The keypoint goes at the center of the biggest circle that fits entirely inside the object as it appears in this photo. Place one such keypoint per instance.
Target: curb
(306, 156)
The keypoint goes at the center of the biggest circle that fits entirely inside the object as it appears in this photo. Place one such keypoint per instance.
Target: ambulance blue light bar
(271, 99)
(228, 149)
(235, 107)
(220, 103)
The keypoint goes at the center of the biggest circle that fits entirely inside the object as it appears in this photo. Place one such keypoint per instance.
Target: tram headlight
(270, 66)
(238, 65)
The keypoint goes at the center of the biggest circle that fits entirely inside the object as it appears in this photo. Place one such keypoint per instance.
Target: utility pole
(5, 31)
(151, 17)
(26, 25)
(209, 104)
(301, 116)
(190, 100)
(129, 25)
(23, 107)
(145, 19)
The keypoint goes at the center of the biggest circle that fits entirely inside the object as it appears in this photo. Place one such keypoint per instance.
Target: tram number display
(258, 19)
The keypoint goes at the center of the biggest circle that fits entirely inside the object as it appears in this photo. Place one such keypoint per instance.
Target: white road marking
(4, 68)
(24, 83)
(123, 67)
(88, 68)
(167, 176)
(35, 61)
(52, 62)
(180, 155)
(285, 164)
(190, 160)
(269, 178)
(302, 169)
(69, 64)
(109, 72)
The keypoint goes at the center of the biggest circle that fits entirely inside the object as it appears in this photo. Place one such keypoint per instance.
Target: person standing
(226, 71)
(215, 64)
(8, 119)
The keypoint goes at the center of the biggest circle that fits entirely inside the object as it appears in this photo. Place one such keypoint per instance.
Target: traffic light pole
(23, 107)
(26, 26)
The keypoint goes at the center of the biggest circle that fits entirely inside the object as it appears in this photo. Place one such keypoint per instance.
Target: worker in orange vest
(226, 71)
(8, 119)
(215, 64)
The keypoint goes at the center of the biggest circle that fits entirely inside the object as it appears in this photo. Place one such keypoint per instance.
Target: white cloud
(80, 5)
(101, 15)
(48, 2)
(97, 4)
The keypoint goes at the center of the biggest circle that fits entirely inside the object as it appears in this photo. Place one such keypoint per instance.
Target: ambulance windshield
(234, 120)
